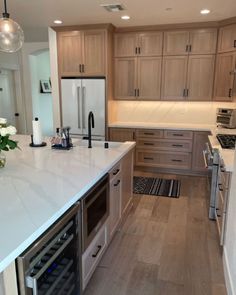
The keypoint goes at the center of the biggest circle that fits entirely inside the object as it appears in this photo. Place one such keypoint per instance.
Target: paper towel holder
(36, 145)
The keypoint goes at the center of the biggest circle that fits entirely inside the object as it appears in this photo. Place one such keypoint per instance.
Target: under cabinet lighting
(205, 11)
(125, 17)
(57, 21)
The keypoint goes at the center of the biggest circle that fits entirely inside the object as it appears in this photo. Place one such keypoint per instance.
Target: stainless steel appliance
(51, 266)
(95, 210)
(79, 97)
(227, 141)
(211, 158)
(226, 118)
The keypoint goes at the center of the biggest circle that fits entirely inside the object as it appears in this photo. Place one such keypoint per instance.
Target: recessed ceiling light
(125, 17)
(205, 11)
(57, 21)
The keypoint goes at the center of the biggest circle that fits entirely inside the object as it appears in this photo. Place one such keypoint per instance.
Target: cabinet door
(125, 78)
(174, 72)
(149, 78)
(175, 42)
(227, 38)
(125, 45)
(199, 144)
(225, 64)
(69, 53)
(94, 53)
(203, 41)
(150, 44)
(121, 134)
(200, 77)
(115, 204)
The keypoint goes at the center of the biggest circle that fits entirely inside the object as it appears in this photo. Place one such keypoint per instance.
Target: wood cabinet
(227, 39)
(81, 53)
(121, 134)
(174, 71)
(224, 77)
(138, 78)
(138, 44)
(199, 144)
(182, 42)
(200, 77)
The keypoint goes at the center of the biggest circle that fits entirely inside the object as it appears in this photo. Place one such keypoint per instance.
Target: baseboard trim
(228, 278)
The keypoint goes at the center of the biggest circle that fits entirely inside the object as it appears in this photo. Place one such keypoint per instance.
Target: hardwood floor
(166, 246)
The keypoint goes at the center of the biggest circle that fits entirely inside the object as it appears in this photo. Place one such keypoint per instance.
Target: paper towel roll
(37, 132)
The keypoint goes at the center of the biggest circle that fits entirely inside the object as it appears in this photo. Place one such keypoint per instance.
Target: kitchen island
(40, 184)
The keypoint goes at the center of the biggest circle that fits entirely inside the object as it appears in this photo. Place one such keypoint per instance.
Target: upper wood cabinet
(201, 41)
(176, 42)
(224, 77)
(174, 71)
(138, 44)
(81, 53)
(227, 38)
(200, 77)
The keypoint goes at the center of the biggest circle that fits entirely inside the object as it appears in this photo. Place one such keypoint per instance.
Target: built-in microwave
(226, 118)
(95, 210)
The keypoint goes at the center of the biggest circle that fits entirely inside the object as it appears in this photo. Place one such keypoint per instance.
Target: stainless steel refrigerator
(79, 97)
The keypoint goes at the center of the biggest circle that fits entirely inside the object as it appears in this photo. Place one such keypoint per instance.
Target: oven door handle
(205, 159)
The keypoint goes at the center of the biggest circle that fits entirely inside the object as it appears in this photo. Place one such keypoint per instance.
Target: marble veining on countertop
(38, 185)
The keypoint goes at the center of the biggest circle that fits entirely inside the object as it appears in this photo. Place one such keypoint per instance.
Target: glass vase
(2, 160)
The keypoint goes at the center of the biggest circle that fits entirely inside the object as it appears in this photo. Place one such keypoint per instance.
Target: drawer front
(149, 133)
(93, 254)
(165, 144)
(181, 134)
(163, 159)
(224, 178)
(115, 171)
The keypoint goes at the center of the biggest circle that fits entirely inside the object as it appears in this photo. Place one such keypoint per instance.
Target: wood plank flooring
(166, 246)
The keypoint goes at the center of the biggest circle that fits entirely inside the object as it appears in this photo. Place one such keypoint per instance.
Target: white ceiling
(36, 15)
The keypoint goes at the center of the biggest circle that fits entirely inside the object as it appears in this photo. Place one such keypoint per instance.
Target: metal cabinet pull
(83, 106)
(148, 143)
(117, 183)
(148, 158)
(116, 172)
(138, 92)
(148, 133)
(187, 92)
(184, 92)
(83, 68)
(176, 160)
(135, 90)
(186, 49)
(177, 134)
(80, 68)
(190, 48)
(177, 145)
(220, 187)
(136, 50)
(230, 92)
(139, 50)
(98, 250)
(78, 103)
(234, 43)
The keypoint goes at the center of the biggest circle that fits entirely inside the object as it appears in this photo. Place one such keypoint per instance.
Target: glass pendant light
(11, 34)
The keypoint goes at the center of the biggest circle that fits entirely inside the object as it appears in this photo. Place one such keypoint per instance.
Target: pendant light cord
(5, 13)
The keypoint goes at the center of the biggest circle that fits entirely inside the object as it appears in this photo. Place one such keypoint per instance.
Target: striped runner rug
(156, 187)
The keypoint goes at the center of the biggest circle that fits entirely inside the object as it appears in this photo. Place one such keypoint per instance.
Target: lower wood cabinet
(166, 149)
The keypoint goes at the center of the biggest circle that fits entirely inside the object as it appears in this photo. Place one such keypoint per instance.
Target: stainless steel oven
(95, 210)
(52, 265)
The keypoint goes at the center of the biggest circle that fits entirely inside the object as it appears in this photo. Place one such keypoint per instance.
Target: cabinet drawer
(115, 171)
(163, 159)
(150, 133)
(224, 178)
(92, 255)
(182, 134)
(165, 144)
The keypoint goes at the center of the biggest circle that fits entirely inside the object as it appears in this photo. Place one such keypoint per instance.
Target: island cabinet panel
(176, 43)
(199, 145)
(224, 77)
(81, 53)
(149, 78)
(121, 134)
(227, 39)
(174, 71)
(125, 78)
(202, 41)
(200, 77)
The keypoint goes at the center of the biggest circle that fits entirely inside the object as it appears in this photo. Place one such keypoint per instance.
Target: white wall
(42, 102)
(165, 112)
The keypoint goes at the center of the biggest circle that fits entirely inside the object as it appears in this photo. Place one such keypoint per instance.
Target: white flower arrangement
(6, 143)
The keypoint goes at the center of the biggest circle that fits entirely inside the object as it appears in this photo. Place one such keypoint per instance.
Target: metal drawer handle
(148, 143)
(234, 43)
(175, 160)
(220, 187)
(116, 172)
(204, 158)
(148, 133)
(98, 250)
(222, 168)
(177, 145)
(148, 158)
(118, 182)
(218, 214)
(177, 134)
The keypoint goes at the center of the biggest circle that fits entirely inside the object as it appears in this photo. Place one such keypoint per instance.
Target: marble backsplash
(165, 111)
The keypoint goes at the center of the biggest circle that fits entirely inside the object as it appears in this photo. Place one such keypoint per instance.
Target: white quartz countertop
(39, 184)
(173, 126)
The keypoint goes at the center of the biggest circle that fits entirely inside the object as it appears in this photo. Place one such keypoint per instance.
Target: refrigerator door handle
(78, 105)
(83, 106)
